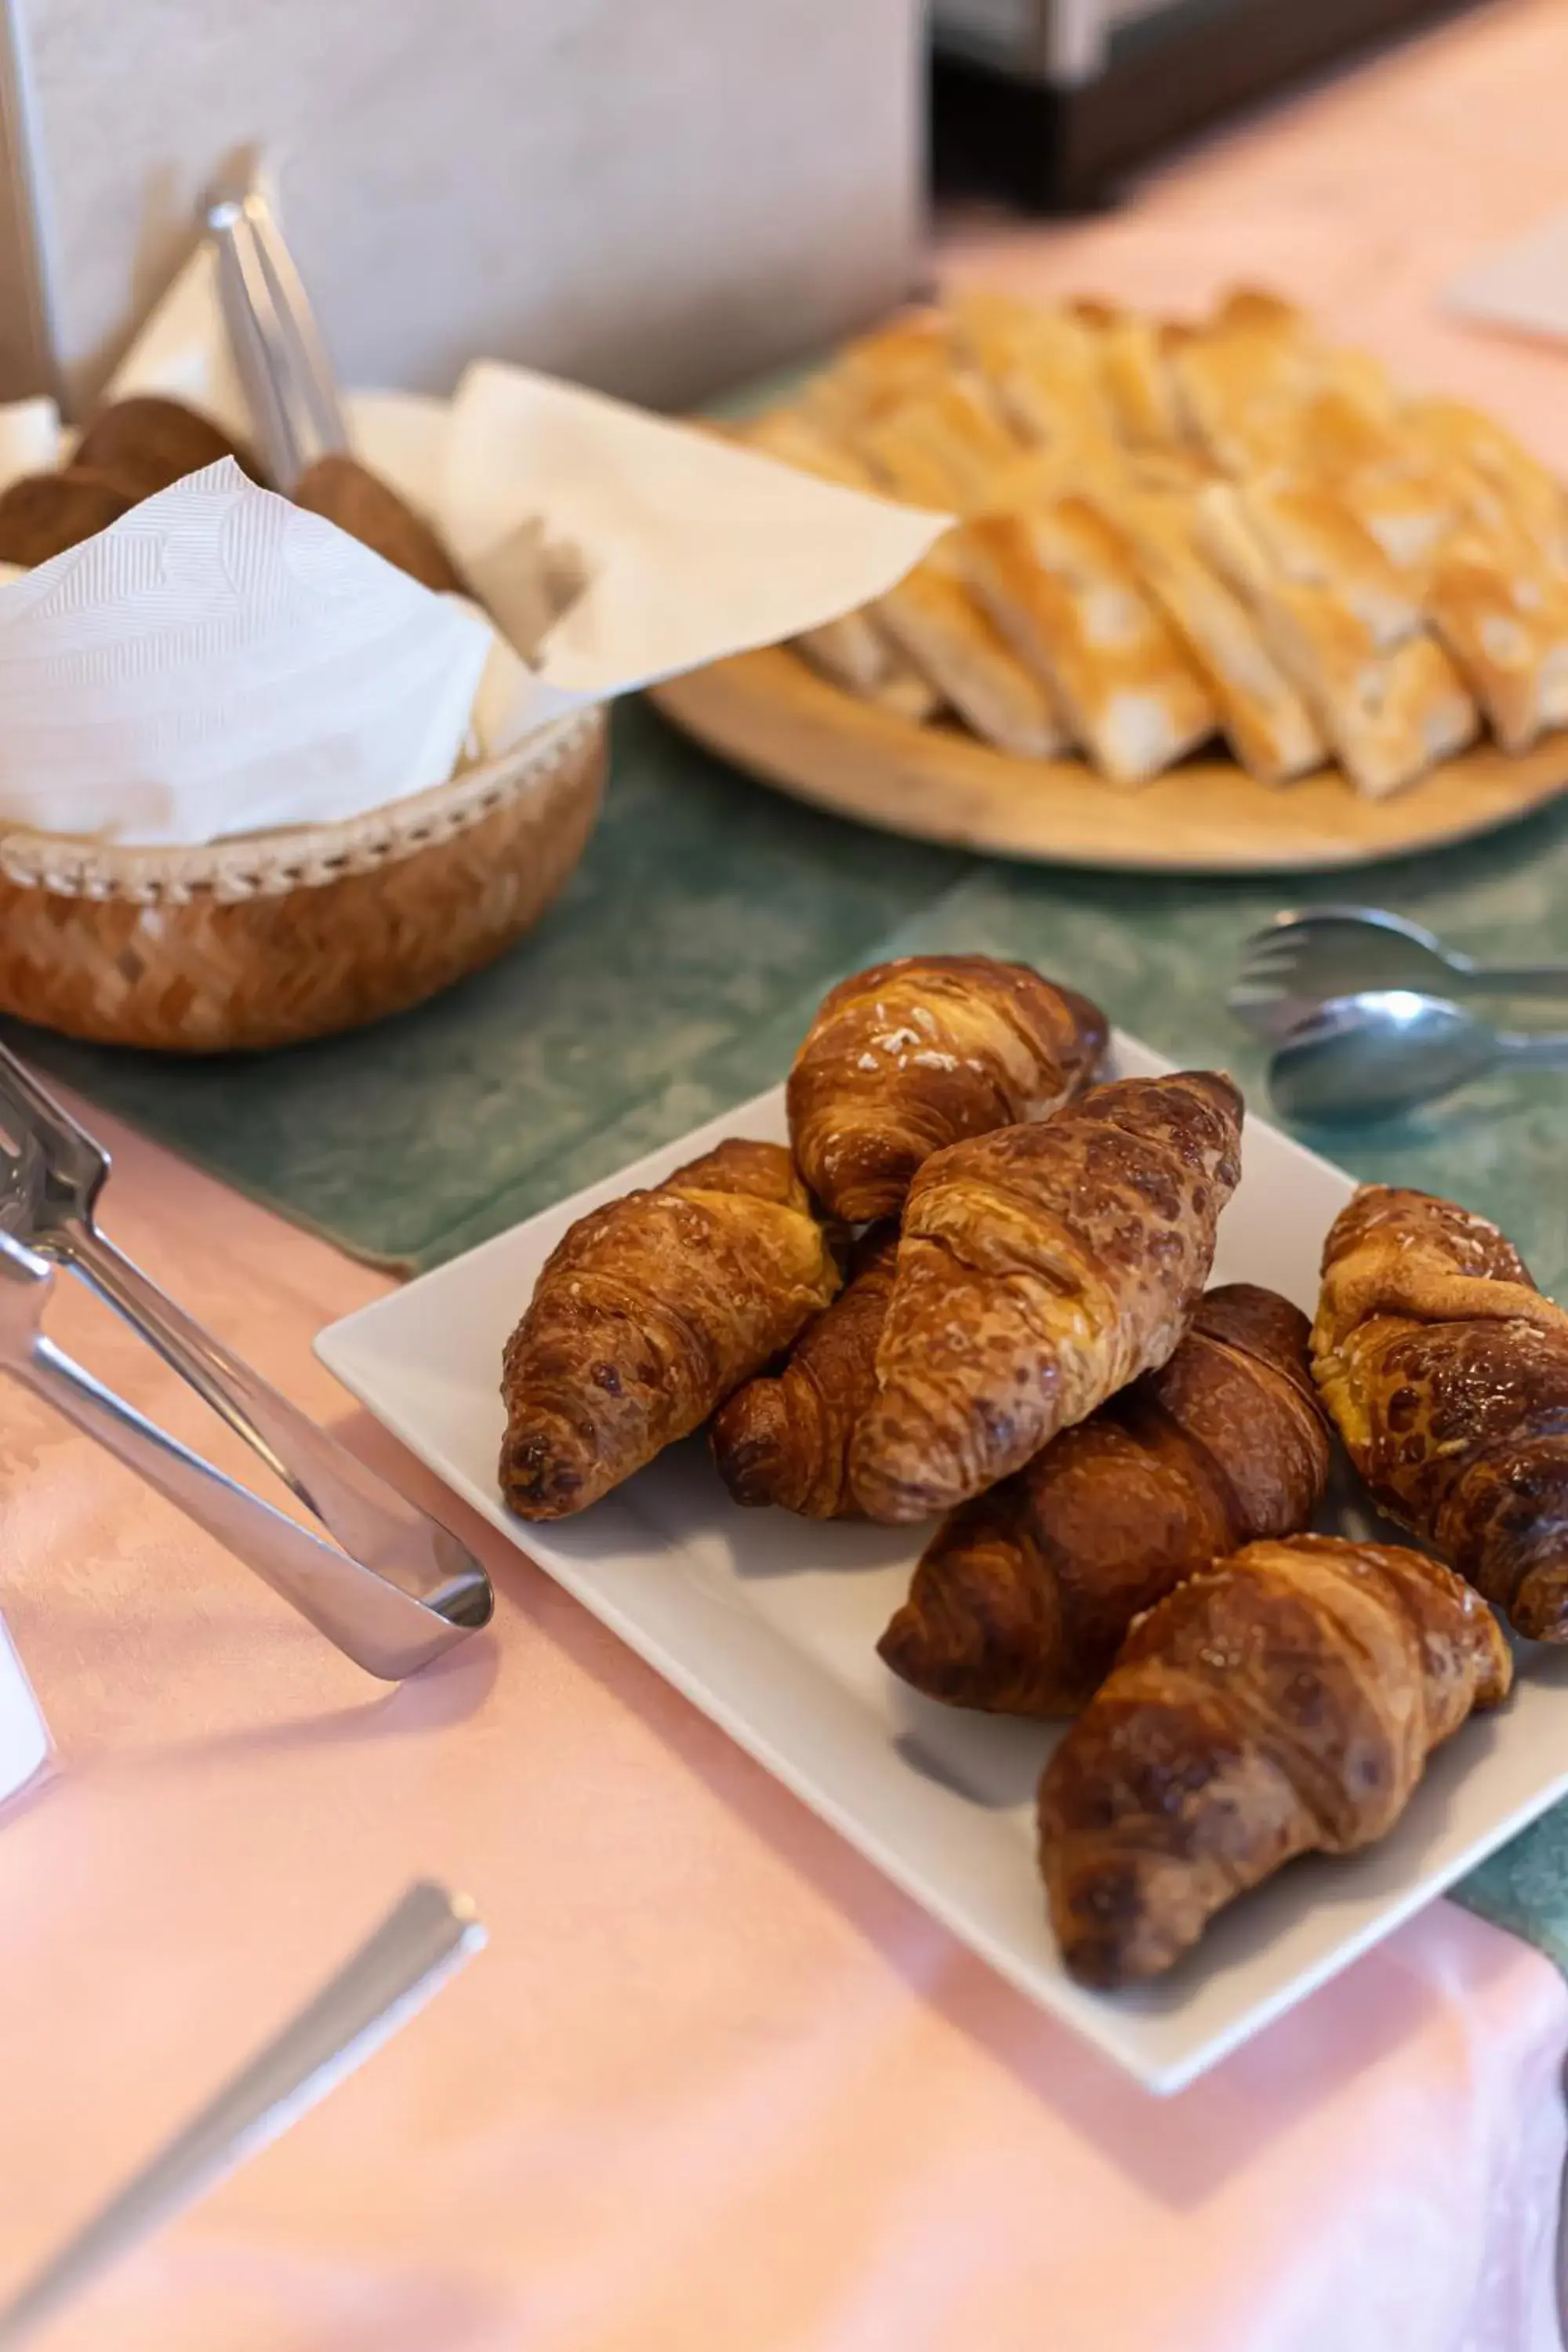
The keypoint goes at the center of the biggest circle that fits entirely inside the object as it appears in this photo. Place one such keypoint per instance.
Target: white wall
(660, 196)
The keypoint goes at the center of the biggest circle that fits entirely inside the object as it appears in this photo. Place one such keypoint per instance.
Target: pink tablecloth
(715, 2087)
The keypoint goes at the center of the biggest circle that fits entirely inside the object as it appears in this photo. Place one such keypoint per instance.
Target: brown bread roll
(370, 510)
(147, 443)
(43, 514)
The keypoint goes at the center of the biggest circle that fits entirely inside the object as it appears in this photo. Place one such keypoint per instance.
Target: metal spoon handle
(370, 1519)
(1517, 979)
(1527, 1053)
(418, 1947)
(381, 1629)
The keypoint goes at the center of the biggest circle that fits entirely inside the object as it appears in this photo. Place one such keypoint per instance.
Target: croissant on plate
(1040, 1269)
(1023, 1597)
(1280, 1703)
(1446, 1371)
(914, 1055)
(648, 1313)
(786, 1439)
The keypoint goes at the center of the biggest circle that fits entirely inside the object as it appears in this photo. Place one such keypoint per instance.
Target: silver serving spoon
(1303, 959)
(411, 1955)
(1387, 1051)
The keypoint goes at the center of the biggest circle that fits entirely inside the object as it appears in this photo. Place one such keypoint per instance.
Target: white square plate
(769, 1623)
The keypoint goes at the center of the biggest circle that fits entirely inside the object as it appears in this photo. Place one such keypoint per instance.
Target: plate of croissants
(1219, 595)
(1146, 1547)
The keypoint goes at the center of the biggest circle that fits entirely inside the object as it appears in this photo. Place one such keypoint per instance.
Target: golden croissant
(786, 1439)
(1040, 1269)
(1446, 1371)
(912, 1055)
(1280, 1703)
(1024, 1596)
(648, 1314)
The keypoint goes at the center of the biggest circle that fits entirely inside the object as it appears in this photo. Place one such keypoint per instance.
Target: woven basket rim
(270, 865)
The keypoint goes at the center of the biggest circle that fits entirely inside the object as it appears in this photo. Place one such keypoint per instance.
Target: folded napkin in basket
(220, 662)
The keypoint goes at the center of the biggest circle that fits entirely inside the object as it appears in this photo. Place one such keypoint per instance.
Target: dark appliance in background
(1048, 102)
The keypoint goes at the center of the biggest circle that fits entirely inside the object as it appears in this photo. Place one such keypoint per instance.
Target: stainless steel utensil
(421, 1943)
(1388, 1051)
(402, 1589)
(1301, 961)
(282, 362)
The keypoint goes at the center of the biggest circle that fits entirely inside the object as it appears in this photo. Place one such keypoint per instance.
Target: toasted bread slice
(1451, 433)
(1502, 614)
(856, 651)
(877, 369)
(946, 635)
(1241, 380)
(945, 443)
(1135, 376)
(1061, 582)
(1266, 721)
(1388, 699)
(1042, 367)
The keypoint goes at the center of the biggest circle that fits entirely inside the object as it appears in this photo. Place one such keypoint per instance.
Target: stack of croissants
(973, 1289)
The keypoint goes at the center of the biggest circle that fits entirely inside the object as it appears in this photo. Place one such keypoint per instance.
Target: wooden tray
(775, 716)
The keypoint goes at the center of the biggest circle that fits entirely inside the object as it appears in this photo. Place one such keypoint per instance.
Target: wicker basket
(275, 937)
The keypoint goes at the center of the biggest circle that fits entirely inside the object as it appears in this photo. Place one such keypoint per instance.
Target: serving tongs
(279, 352)
(297, 413)
(402, 1589)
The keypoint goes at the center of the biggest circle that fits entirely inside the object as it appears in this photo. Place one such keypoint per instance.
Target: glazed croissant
(1040, 1269)
(1024, 1596)
(912, 1056)
(786, 1439)
(647, 1316)
(1447, 1372)
(1281, 1703)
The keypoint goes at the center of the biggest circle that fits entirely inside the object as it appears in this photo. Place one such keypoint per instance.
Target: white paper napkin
(209, 666)
(220, 660)
(695, 548)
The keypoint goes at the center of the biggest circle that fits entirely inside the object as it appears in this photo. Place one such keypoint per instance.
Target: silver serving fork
(1306, 958)
(401, 1590)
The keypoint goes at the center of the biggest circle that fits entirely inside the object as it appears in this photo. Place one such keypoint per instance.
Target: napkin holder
(270, 939)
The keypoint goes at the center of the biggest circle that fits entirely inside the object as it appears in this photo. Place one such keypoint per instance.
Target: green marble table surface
(677, 972)
(681, 965)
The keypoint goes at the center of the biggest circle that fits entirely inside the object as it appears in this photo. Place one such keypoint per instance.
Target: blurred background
(658, 200)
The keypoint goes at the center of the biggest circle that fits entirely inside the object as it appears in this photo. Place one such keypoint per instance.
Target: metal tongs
(278, 348)
(292, 392)
(401, 1591)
